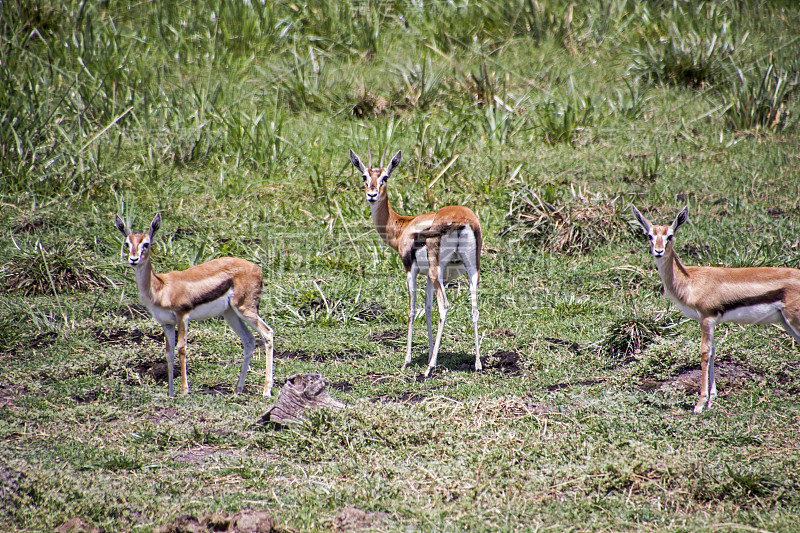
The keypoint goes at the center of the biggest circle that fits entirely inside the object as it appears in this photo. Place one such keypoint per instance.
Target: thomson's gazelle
(711, 295)
(226, 286)
(443, 245)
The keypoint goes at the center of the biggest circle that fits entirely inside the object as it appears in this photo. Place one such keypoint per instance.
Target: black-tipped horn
(383, 156)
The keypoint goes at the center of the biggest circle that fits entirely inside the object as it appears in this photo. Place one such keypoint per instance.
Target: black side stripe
(210, 296)
(766, 298)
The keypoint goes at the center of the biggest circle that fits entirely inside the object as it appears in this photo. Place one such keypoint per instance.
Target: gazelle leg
(712, 381)
(169, 340)
(411, 281)
(429, 314)
(441, 299)
(706, 357)
(183, 323)
(792, 329)
(248, 341)
(473, 293)
(252, 317)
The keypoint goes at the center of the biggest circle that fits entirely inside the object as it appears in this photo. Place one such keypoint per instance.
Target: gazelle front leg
(169, 340)
(429, 314)
(441, 299)
(183, 323)
(411, 281)
(706, 365)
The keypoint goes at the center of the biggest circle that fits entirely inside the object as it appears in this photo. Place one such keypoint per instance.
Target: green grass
(234, 119)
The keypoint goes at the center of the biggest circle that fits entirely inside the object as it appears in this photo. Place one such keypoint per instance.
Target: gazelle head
(375, 178)
(661, 237)
(138, 243)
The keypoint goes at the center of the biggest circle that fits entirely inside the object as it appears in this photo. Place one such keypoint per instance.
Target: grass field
(234, 120)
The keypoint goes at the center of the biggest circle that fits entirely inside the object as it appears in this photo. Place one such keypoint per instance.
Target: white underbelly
(201, 312)
(754, 314)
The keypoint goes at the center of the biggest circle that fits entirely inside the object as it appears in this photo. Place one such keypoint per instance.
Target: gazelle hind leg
(473, 292)
(411, 281)
(791, 324)
(248, 341)
(169, 340)
(429, 314)
(268, 336)
(474, 280)
(441, 299)
(706, 364)
(183, 325)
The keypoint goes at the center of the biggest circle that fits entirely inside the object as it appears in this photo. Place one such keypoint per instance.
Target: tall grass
(546, 118)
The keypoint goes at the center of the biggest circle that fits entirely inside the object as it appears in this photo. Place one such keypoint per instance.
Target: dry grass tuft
(369, 104)
(626, 336)
(577, 226)
(64, 267)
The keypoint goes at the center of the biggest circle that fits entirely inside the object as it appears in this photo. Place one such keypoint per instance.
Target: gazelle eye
(669, 237)
(145, 245)
(651, 237)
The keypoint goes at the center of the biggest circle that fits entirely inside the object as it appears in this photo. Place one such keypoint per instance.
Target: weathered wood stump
(299, 393)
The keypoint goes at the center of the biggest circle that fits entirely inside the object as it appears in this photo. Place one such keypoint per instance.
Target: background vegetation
(233, 119)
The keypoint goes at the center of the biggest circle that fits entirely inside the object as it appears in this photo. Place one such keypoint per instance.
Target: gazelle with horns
(225, 286)
(444, 245)
(712, 295)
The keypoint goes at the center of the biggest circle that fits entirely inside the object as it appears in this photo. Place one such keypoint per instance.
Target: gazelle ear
(643, 222)
(357, 162)
(155, 225)
(121, 225)
(394, 163)
(681, 219)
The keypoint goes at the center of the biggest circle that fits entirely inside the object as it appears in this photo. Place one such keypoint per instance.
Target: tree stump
(300, 392)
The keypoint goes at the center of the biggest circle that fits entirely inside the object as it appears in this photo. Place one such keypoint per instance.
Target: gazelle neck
(385, 219)
(146, 281)
(673, 274)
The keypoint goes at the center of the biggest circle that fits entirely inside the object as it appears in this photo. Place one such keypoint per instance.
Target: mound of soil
(246, 521)
(354, 519)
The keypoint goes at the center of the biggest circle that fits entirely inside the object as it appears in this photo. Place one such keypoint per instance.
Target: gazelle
(225, 286)
(444, 245)
(712, 295)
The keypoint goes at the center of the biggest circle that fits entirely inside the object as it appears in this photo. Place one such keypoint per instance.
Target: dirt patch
(246, 521)
(730, 375)
(354, 519)
(76, 525)
(506, 361)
